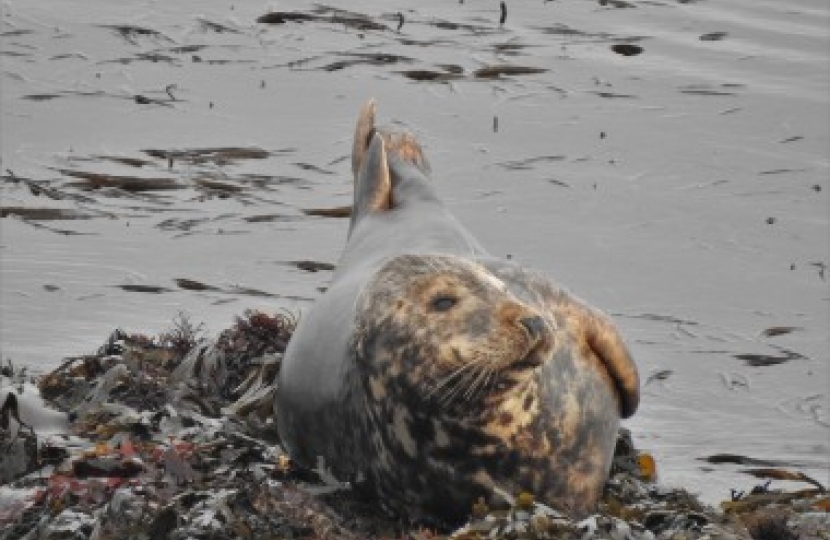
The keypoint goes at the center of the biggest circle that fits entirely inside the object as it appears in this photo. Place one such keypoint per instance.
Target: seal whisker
(464, 382)
(492, 377)
(452, 391)
(443, 382)
(479, 382)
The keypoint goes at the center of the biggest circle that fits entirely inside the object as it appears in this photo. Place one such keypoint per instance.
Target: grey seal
(431, 375)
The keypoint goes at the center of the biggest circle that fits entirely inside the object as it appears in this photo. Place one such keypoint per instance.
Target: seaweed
(497, 71)
(179, 440)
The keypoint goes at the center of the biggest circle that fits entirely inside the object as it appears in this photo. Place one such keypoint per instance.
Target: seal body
(431, 375)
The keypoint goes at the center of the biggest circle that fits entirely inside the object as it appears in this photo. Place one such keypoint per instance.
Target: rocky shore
(173, 437)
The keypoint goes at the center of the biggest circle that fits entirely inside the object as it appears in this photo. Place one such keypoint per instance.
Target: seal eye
(443, 303)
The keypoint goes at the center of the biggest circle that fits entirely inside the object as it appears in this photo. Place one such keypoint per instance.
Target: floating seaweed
(494, 72)
(123, 160)
(713, 36)
(212, 184)
(736, 459)
(617, 4)
(614, 95)
(430, 75)
(193, 285)
(313, 266)
(529, 163)
(335, 212)
(709, 90)
(370, 59)
(779, 330)
(218, 156)
(314, 168)
(763, 360)
(210, 26)
(47, 214)
(152, 289)
(131, 32)
(132, 184)
(627, 49)
(355, 21)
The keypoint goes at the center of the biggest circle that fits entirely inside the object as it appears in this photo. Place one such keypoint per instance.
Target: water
(683, 190)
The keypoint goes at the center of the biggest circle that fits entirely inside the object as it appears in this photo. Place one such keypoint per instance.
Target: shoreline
(173, 437)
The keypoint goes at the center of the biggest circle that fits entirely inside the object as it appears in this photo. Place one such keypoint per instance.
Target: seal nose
(534, 325)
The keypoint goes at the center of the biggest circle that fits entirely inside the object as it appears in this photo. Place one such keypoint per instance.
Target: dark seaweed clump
(178, 440)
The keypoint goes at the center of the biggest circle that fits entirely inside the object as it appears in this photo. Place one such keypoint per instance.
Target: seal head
(467, 390)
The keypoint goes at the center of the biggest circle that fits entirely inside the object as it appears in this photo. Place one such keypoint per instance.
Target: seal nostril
(535, 325)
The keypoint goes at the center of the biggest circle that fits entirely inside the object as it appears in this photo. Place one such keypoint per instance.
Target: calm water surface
(682, 189)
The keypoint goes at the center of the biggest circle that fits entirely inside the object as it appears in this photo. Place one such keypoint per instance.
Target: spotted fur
(451, 404)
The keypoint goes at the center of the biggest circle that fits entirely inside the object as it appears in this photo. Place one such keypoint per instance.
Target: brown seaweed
(494, 72)
(44, 214)
(132, 184)
(131, 32)
(713, 36)
(324, 15)
(773, 331)
(313, 266)
(370, 59)
(423, 75)
(218, 156)
(627, 49)
(177, 434)
(192, 285)
(529, 163)
(763, 360)
(152, 289)
(335, 212)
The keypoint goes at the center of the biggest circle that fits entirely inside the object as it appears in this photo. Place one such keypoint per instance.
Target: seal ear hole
(444, 302)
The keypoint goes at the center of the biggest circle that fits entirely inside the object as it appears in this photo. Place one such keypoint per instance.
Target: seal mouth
(534, 358)
(529, 362)
(517, 373)
(540, 340)
(521, 370)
